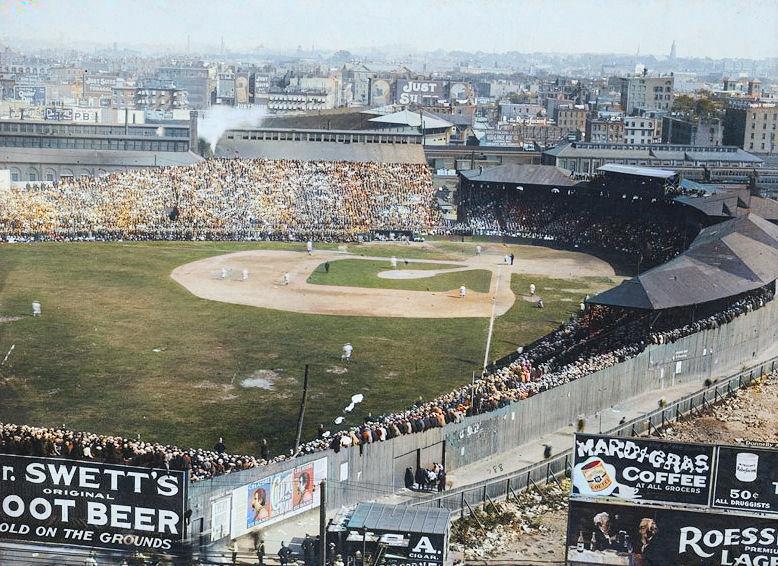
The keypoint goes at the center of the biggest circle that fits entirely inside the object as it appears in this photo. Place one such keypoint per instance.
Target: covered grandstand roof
(322, 151)
(637, 171)
(90, 157)
(732, 204)
(519, 173)
(335, 119)
(727, 259)
(654, 152)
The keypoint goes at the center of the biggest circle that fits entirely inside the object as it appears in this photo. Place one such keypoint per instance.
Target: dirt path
(264, 287)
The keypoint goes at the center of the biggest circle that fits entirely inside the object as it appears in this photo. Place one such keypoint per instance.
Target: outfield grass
(524, 322)
(364, 273)
(90, 362)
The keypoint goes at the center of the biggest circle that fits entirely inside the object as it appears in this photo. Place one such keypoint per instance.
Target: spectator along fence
(507, 485)
(369, 471)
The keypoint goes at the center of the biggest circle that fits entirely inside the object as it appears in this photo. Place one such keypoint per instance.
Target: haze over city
(702, 28)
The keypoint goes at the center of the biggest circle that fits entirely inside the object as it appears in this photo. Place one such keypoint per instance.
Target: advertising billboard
(281, 495)
(90, 504)
(380, 92)
(33, 95)
(636, 468)
(643, 535)
(462, 92)
(425, 93)
(747, 479)
(413, 549)
(72, 114)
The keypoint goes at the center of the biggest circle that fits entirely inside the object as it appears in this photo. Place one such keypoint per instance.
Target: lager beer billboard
(605, 533)
(640, 469)
(90, 504)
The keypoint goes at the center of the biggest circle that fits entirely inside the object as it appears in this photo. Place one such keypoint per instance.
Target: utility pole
(322, 522)
(302, 410)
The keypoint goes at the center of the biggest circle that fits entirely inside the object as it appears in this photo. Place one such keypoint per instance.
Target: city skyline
(700, 29)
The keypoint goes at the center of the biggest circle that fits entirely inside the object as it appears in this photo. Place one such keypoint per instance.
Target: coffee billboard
(640, 469)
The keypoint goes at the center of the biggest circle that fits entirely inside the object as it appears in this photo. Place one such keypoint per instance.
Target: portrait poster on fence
(747, 479)
(640, 469)
(277, 496)
(600, 532)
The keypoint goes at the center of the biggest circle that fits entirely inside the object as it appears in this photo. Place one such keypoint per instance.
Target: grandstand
(709, 275)
(321, 145)
(227, 200)
(545, 205)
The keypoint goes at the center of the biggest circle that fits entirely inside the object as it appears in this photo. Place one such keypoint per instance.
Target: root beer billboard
(53, 500)
(639, 469)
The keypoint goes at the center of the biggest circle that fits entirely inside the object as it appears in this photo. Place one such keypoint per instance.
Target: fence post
(483, 498)
(462, 505)
(508, 489)
(663, 419)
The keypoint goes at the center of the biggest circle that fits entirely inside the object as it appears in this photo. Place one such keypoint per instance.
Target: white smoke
(212, 123)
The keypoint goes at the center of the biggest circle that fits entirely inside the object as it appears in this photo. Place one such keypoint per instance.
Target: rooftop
(724, 260)
(638, 171)
(515, 173)
(396, 518)
(653, 151)
(90, 157)
(413, 119)
(321, 151)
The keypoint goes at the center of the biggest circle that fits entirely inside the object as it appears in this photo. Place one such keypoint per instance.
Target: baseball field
(183, 342)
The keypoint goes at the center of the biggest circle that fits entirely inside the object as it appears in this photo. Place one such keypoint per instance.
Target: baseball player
(347, 349)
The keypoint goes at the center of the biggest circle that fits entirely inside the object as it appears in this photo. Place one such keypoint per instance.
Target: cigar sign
(90, 504)
(747, 479)
(638, 469)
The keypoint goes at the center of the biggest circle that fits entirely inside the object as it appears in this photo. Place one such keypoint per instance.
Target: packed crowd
(596, 339)
(225, 199)
(655, 231)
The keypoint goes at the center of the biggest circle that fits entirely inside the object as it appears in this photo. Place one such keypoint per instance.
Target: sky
(701, 28)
